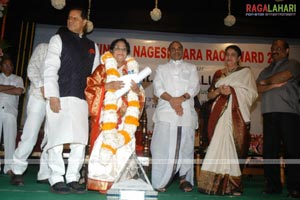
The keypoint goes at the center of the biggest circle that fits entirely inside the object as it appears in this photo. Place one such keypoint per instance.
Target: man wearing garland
(70, 59)
(113, 119)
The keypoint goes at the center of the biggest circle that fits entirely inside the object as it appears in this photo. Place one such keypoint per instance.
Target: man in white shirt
(36, 111)
(176, 83)
(11, 87)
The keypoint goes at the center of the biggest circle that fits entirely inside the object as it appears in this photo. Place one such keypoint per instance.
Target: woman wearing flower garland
(113, 120)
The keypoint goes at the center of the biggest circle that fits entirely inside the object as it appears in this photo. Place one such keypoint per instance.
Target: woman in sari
(113, 119)
(233, 91)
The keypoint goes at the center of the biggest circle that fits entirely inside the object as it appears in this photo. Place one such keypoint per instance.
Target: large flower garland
(114, 135)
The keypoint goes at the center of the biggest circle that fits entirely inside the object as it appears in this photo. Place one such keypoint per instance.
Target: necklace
(115, 134)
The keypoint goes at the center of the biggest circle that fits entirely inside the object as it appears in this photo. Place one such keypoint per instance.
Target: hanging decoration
(89, 25)
(155, 13)
(58, 4)
(3, 10)
(3, 5)
(4, 45)
(229, 20)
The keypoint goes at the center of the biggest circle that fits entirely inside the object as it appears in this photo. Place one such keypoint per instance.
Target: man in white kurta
(11, 87)
(71, 57)
(172, 147)
(35, 115)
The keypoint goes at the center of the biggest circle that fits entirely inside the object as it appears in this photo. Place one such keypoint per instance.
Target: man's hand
(175, 103)
(114, 85)
(135, 87)
(55, 104)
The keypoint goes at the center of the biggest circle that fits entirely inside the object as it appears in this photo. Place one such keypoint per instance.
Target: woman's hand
(114, 85)
(224, 89)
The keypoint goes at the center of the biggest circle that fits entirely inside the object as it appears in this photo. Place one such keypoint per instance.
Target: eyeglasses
(120, 49)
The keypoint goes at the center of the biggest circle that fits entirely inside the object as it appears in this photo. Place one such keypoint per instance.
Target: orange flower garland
(115, 136)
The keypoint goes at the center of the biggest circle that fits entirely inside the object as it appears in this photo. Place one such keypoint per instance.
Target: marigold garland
(114, 135)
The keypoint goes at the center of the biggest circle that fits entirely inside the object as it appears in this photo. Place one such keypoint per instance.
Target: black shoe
(294, 194)
(10, 173)
(17, 180)
(76, 187)
(60, 188)
(271, 191)
(43, 181)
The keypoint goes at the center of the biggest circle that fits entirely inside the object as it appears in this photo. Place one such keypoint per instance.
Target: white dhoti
(171, 154)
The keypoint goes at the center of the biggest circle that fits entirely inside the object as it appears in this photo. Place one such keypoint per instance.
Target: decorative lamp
(155, 13)
(229, 20)
(58, 4)
(89, 25)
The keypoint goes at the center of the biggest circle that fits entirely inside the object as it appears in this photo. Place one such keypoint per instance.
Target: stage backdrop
(205, 51)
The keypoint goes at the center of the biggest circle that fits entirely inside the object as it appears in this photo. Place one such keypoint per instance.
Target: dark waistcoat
(77, 59)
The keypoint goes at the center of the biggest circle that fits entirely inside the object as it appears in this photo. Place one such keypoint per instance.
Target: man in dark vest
(70, 59)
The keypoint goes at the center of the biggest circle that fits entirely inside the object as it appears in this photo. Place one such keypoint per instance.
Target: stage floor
(34, 191)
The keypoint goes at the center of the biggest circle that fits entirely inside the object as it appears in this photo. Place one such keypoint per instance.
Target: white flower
(58, 4)
(229, 20)
(111, 137)
(89, 26)
(155, 14)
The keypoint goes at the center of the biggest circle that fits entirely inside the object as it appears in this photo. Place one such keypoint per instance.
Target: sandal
(161, 189)
(236, 193)
(185, 186)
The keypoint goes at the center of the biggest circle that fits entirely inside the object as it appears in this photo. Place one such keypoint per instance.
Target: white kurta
(8, 102)
(35, 70)
(8, 117)
(69, 125)
(176, 78)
